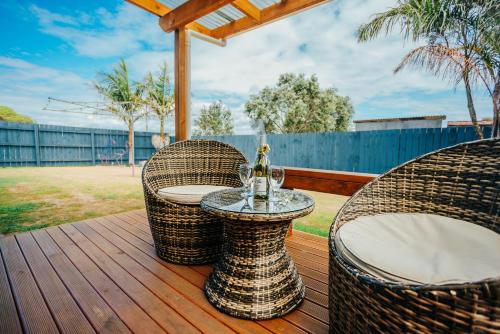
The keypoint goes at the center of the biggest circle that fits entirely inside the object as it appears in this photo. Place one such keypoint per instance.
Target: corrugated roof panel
(261, 4)
(220, 17)
(173, 3)
(223, 15)
(232, 12)
(219, 20)
(208, 22)
(258, 3)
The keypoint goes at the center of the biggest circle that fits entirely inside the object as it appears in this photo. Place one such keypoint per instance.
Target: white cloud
(328, 34)
(256, 59)
(104, 33)
(26, 87)
(320, 41)
(46, 17)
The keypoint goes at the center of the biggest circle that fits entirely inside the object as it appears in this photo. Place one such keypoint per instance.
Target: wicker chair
(184, 234)
(460, 182)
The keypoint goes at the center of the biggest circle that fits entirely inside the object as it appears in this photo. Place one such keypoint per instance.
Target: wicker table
(255, 278)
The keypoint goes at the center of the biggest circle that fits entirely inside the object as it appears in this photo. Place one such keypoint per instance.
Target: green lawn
(319, 221)
(32, 198)
(36, 197)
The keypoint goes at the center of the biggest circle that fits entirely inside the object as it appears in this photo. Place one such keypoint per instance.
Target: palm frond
(414, 18)
(124, 96)
(443, 61)
(159, 95)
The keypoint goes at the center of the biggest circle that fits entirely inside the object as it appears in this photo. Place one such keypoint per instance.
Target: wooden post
(182, 84)
(92, 143)
(36, 129)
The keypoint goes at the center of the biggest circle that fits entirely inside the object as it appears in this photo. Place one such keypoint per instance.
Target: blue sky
(53, 50)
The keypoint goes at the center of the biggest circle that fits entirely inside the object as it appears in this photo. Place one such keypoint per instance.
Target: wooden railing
(326, 181)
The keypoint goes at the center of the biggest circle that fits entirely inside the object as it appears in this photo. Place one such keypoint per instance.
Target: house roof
(469, 123)
(401, 119)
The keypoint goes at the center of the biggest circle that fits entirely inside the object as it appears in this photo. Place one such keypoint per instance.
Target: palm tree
(159, 96)
(125, 98)
(459, 42)
(489, 54)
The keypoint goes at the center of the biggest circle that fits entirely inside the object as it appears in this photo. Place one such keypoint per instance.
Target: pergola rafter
(267, 15)
(159, 9)
(189, 12)
(247, 8)
(215, 20)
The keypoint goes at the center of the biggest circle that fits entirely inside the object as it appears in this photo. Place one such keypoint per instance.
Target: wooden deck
(102, 275)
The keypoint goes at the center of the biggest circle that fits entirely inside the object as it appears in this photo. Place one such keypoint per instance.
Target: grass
(319, 221)
(37, 197)
(15, 217)
(32, 198)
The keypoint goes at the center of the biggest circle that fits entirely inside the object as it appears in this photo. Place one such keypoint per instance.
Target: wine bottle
(261, 169)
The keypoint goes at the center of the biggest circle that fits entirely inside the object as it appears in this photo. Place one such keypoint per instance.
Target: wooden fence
(50, 145)
(362, 152)
(365, 152)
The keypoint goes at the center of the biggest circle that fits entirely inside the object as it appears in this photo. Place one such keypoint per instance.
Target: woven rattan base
(460, 182)
(255, 278)
(194, 238)
(183, 233)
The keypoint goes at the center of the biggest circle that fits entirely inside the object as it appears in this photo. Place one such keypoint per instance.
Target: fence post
(36, 131)
(92, 141)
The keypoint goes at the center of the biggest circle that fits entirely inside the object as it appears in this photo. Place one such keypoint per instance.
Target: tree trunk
(495, 131)
(470, 105)
(130, 143)
(162, 128)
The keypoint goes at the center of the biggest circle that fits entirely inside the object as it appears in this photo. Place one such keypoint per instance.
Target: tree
(298, 104)
(159, 96)
(125, 97)
(216, 119)
(9, 115)
(488, 50)
(462, 42)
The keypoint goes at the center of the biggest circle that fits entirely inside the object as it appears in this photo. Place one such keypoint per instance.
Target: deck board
(66, 313)
(8, 317)
(103, 275)
(33, 311)
(128, 311)
(99, 313)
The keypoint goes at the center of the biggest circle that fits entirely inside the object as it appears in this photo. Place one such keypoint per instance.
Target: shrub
(9, 115)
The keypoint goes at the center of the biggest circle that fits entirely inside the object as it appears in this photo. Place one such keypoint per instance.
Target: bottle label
(260, 205)
(260, 186)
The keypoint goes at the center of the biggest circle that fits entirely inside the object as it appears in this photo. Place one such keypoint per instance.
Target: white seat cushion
(420, 248)
(189, 194)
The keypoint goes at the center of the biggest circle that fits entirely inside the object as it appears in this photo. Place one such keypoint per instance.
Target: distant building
(483, 122)
(399, 123)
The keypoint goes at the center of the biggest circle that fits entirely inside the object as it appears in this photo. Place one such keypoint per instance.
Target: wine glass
(246, 177)
(276, 179)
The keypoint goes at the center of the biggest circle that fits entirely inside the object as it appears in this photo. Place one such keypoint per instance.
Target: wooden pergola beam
(159, 9)
(152, 6)
(189, 12)
(267, 15)
(247, 8)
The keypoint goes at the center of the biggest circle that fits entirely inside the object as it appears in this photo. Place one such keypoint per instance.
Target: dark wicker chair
(184, 233)
(460, 182)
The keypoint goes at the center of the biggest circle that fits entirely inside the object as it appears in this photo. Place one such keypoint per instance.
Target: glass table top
(233, 201)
